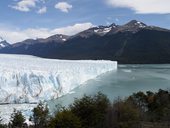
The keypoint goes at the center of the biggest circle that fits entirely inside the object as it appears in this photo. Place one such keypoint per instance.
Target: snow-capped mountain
(135, 24)
(58, 38)
(102, 30)
(3, 43)
(99, 30)
(133, 42)
(132, 26)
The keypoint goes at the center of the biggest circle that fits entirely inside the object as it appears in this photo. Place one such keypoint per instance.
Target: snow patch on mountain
(62, 38)
(2, 45)
(103, 30)
(140, 24)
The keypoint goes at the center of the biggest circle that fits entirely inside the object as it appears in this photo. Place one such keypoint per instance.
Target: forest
(139, 110)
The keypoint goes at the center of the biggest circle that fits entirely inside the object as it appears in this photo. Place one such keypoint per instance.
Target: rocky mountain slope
(134, 42)
(3, 43)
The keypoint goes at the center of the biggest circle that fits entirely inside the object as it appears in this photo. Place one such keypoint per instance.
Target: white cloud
(71, 30)
(143, 6)
(42, 10)
(24, 5)
(17, 35)
(63, 6)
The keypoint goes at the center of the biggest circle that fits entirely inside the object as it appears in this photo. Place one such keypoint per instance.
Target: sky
(24, 19)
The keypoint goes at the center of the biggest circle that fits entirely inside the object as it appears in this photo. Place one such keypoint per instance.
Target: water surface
(123, 82)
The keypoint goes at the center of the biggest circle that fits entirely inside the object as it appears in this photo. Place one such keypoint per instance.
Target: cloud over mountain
(17, 35)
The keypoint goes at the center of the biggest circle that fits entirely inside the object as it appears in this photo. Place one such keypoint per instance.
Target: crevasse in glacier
(28, 79)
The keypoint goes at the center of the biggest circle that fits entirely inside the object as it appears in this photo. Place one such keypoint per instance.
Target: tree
(40, 116)
(140, 99)
(17, 119)
(125, 114)
(65, 119)
(91, 110)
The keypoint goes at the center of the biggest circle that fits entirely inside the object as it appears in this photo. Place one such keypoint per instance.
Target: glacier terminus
(29, 79)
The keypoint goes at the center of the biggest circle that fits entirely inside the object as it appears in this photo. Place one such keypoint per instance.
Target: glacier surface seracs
(29, 79)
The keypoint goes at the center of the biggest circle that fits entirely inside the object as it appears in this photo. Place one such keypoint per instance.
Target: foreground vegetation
(138, 110)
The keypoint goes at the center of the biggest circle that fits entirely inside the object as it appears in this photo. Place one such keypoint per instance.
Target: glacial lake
(123, 82)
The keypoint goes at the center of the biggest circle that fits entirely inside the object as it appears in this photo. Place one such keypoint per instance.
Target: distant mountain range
(132, 43)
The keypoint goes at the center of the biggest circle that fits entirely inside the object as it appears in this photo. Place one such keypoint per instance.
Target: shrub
(91, 110)
(40, 116)
(65, 119)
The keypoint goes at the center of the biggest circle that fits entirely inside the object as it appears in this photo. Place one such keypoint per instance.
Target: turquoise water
(123, 82)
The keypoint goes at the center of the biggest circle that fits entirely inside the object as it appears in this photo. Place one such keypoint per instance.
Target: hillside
(134, 42)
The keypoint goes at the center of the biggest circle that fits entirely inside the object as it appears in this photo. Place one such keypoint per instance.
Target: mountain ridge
(133, 42)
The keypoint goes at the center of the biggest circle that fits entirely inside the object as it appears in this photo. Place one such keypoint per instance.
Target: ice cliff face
(28, 79)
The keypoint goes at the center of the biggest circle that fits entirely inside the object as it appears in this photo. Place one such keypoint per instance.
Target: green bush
(40, 116)
(91, 110)
(65, 119)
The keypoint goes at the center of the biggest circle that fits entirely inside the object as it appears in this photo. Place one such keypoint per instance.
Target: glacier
(29, 79)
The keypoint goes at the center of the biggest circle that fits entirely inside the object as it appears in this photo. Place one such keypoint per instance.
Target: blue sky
(22, 19)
